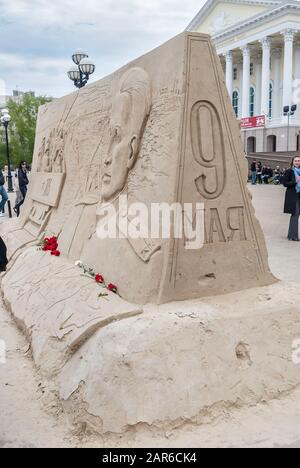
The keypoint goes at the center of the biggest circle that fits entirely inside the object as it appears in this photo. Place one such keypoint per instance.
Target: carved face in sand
(130, 110)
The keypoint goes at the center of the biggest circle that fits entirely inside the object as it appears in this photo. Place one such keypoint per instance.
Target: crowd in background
(261, 174)
(290, 179)
(20, 182)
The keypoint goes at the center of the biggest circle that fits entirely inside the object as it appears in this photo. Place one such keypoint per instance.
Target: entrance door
(271, 144)
(251, 145)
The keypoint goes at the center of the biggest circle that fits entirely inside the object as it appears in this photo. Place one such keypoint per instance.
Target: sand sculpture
(160, 130)
(156, 136)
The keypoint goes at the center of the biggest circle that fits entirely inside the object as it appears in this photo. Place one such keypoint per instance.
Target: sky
(38, 37)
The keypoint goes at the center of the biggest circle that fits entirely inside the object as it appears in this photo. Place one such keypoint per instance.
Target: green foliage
(2, 155)
(22, 127)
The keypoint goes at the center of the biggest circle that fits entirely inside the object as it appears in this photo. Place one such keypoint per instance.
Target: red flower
(112, 287)
(51, 245)
(99, 279)
(56, 253)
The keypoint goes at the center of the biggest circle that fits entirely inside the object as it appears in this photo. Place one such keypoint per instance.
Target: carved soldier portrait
(130, 111)
(47, 166)
(41, 155)
(58, 156)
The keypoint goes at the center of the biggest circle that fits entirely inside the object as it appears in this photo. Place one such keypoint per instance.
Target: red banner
(254, 122)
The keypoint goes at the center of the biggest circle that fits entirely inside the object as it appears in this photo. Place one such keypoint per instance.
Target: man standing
(253, 173)
(3, 194)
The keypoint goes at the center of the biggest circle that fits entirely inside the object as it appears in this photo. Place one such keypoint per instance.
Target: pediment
(218, 15)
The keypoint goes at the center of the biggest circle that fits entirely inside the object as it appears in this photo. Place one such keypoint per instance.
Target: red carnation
(112, 287)
(51, 245)
(56, 253)
(99, 279)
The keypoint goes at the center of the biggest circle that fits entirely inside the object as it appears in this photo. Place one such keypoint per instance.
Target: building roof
(230, 27)
(211, 4)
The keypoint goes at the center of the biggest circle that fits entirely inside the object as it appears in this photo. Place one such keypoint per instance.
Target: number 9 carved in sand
(208, 149)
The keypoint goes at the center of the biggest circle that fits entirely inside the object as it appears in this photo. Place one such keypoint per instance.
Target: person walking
(19, 196)
(253, 173)
(23, 182)
(291, 180)
(3, 194)
(259, 172)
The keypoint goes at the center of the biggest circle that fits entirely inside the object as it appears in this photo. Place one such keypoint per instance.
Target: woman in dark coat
(23, 182)
(291, 180)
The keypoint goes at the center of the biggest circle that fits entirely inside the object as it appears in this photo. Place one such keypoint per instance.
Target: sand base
(117, 366)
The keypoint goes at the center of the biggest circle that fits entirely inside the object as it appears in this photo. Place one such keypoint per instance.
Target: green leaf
(102, 295)
(22, 128)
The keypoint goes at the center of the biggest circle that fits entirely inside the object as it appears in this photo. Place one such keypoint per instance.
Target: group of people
(264, 174)
(21, 183)
(290, 179)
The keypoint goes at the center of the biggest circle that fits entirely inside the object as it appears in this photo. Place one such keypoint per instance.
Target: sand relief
(130, 113)
(47, 182)
(207, 144)
(106, 178)
(208, 150)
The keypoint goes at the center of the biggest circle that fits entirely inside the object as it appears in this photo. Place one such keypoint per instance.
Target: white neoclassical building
(258, 42)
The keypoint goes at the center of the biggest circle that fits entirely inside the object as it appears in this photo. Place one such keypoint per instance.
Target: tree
(23, 127)
(3, 160)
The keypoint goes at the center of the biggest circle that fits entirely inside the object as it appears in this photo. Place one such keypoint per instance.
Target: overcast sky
(38, 37)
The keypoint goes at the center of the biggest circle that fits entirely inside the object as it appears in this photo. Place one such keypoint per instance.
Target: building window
(270, 100)
(252, 101)
(251, 69)
(235, 73)
(235, 102)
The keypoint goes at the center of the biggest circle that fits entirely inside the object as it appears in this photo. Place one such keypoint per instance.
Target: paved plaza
(268, 201)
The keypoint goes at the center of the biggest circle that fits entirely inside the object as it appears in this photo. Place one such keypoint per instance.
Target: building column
(258, 72)
(240, 86)
(297, 60)
(246, 81)
(288, 67)
(265, 80)
(229, 72)
(277, 92)
(296, 90)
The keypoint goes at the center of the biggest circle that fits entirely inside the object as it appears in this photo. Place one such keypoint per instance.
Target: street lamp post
(289, 111)
(5, 119)
(85, 67)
